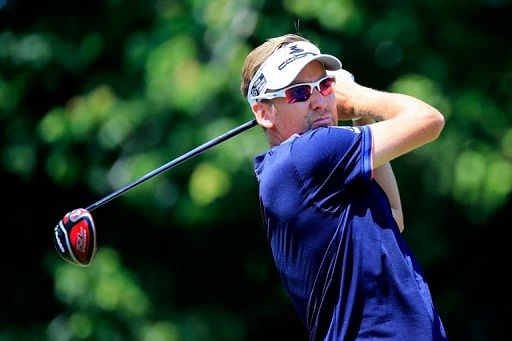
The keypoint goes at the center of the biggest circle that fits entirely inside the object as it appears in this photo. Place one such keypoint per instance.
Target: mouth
(324, 120)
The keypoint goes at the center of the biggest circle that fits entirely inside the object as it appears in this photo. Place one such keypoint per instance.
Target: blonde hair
(261, 53)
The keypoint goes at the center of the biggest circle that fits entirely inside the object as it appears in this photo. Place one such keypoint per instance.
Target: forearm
(355, 101)
(404, 123)
(385, 177)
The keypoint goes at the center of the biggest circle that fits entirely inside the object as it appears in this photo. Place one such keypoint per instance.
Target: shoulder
(325, 137)
(334, 132)
(327, 146)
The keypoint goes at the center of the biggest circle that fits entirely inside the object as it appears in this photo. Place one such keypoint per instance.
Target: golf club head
(75, 237)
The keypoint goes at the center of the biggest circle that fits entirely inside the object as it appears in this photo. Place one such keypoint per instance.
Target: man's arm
(386, 179)
(404, 123)
(399, 124)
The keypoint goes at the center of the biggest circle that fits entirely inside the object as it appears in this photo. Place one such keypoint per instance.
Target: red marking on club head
(80, 240)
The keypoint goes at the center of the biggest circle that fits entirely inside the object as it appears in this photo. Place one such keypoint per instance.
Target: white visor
(281, 68)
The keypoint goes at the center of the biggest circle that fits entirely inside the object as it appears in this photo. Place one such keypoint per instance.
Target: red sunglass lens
(301, 93)
(326, 86)
(298, 93)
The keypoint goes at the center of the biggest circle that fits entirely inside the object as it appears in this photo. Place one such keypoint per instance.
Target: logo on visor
(296, 53)
(258, 85)
(294, 49)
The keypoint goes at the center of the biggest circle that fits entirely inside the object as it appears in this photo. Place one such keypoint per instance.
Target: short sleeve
(330, 160)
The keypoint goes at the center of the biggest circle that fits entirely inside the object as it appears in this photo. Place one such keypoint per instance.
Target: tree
(93, 96)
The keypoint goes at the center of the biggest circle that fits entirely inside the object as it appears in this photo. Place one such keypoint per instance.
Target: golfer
(330, 202)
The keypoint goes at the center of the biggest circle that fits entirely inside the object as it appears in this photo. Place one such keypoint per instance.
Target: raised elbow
(433, 124)
(436, 123)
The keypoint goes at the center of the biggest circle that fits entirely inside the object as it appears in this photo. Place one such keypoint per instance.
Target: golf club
(75, 234)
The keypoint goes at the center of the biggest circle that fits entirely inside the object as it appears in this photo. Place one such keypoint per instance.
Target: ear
(263, 113)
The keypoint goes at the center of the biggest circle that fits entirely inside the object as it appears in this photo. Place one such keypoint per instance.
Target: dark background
(96, 94)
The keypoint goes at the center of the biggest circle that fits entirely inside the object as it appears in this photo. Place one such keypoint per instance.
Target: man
(329, 199)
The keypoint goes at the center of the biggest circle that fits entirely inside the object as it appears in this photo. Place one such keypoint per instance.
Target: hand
(342, 75)
(345, 90)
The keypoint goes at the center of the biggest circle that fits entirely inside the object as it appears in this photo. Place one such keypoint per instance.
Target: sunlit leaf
(208, 183)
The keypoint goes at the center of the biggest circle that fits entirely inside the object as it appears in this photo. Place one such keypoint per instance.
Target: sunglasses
(301, 92)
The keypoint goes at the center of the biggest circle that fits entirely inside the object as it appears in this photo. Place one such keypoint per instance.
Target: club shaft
(196, 151)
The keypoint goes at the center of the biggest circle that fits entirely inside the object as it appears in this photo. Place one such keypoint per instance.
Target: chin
(323, 123)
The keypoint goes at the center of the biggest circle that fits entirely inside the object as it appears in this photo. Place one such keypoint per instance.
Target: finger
(341, 75)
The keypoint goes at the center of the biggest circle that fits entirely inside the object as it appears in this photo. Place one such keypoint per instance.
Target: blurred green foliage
(93, 96)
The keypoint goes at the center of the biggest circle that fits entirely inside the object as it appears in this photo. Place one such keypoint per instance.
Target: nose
(317, 100)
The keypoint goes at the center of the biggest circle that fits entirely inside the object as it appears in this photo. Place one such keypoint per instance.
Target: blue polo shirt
(336, 244)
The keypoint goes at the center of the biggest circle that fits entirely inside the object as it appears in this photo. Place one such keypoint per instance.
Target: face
(283, 119)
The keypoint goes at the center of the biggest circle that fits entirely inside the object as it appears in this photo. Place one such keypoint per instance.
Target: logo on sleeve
(353, 129)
